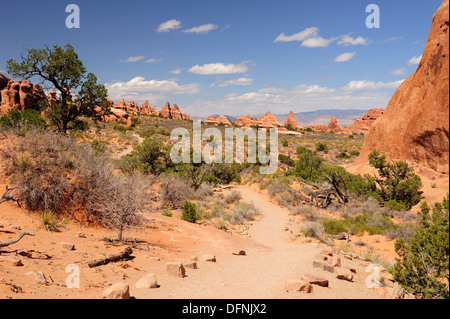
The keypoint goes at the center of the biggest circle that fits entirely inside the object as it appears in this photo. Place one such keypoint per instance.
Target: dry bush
(54, 173)
(233, 197)
(175, 191)
(308, 213)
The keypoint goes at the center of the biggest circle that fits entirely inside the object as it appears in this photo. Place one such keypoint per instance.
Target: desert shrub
(404, 231)
(354, 153)
(148, 157)
(286, 199)
(22, 120)
(284, 159)
(54, 173)
(423, 266)
(399, 186)
(233, 197)
(308, 213)
(98, 146)
(78, 125)
(314, 230)
(343, 155)
(121, 128)
(243, 212)
(276, 188)
(146, 133)
(175, 191)
(322, 147)
(285, 143)
(189, 212)
(373, 224)
(49, 221)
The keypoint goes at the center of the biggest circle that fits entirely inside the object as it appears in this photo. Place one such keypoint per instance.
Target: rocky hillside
(415, 124)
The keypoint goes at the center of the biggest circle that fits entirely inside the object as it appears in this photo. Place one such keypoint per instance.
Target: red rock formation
(363, 124)
(291, 121)
(186, 116)
(132, 107)
(121, 105)
(20, 95)
(146, 108)
(335, 126)
(175, 112)
(165, 112)
(270, 119)
(415, 125)
(221, 120)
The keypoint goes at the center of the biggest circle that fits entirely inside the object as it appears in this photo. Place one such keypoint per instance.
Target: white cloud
(392, 39)
(367, 85)
(205, 28)
(177, 71)
(241, 81)
(133, 59)
(169, 25)
(305, 97)
(152, 60)
(347, 40)
(219, 68)
(398, 72)
(414, 60)
(140, 89)
(344, 57)
(317, 42)
(300, 36)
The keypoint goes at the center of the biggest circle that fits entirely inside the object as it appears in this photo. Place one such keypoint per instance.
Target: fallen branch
(125, 254)
(3, 244)
(8, 196)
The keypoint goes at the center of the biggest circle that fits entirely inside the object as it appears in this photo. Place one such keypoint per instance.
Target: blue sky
(233, 57)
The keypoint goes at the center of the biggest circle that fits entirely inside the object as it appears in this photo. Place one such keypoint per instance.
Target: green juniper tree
(79, 92)
(423, 265)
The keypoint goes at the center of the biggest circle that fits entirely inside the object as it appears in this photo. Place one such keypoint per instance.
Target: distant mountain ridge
(319, 117)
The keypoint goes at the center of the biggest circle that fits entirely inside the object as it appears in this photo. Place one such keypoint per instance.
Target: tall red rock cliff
(415, 125)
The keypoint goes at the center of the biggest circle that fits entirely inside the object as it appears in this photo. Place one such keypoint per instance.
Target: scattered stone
(194, 258)
(176, 269)
(335, 261)
(120, 290)
(239, 253)
(343, 274)
(190, 264)
(68, 246)
(38, 275)
(321, 256)
(296, 285)
(25, 254)
(209, 257)
(80, 235)
(323, 265)
(15, 261)
(148, 281)
(315, 280)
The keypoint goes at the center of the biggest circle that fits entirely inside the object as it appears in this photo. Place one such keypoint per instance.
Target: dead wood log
(3, 244)
(8, 196)
(124, 255)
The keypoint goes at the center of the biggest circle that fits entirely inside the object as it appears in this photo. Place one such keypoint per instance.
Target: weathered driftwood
(8, 196)
(3, 244)
(125, 254)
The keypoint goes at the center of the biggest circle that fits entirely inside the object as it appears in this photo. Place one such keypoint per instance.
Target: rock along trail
(259, 275)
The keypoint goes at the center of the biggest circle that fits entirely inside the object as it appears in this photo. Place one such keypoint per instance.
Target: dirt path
(259, 274)
(129, 149)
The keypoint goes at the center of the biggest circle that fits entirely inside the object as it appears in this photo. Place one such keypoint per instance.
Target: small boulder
(296, 285)
(209, 257)
(38, 276)
(316, 280)
(335, 261)
(323, 265)
(14, 260)
(120, 290)
(190, 264)
(176, 269)
(68, 246)
(343, 274)
(148, 281)
(239, 253)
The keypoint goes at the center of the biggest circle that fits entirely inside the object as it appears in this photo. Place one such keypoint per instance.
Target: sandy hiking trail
(262, 273)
